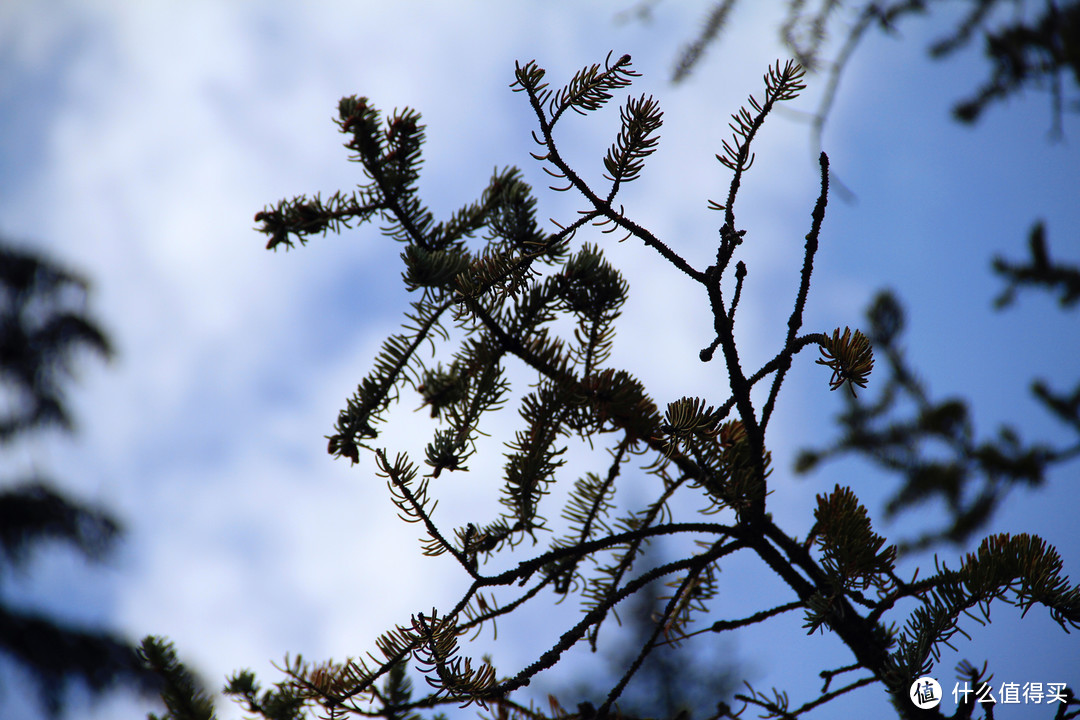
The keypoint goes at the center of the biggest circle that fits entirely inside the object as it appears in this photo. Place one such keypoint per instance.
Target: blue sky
(140, 139)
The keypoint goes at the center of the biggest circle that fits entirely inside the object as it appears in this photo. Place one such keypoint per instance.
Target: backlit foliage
(501, 304)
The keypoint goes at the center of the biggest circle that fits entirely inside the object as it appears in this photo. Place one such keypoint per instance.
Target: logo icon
(925, 693)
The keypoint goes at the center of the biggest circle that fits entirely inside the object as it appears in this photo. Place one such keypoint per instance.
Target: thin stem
(796, 319)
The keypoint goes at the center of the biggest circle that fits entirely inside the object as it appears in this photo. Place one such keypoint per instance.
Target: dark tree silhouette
(43, 325)
(497, 304)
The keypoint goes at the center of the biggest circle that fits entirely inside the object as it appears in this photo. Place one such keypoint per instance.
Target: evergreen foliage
(43, 326)
(181, 692)
(1023, 52)
(504, 302)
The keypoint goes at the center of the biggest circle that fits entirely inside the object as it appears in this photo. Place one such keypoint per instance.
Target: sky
(139, 140)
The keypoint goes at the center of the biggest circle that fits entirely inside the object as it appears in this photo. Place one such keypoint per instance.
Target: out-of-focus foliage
(43, 326)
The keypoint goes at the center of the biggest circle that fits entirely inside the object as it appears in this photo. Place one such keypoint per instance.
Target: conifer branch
(507, 300)
(183, 696)
(529, 83)
(780, 86)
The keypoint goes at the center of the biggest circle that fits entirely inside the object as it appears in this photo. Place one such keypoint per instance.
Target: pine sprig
(849, 356)
(473, 385)
(391, 158)
(853, 554)
(288, 699)
(1020, 570)
(183, 695)
(450, 674)
(303, 217)
(588, 90)
(534, 456)
(395, 365)
(780, 85)
(688, 418)
(594, 291)
(641, 118)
